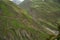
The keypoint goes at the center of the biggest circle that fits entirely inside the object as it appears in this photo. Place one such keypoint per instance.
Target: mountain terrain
(38, 21)
(47, 11)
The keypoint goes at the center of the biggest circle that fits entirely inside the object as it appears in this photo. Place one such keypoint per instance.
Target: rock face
(25, 4)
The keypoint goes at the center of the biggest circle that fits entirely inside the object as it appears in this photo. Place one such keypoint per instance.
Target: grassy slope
(48, 10)
(16, 24)
(45, 12)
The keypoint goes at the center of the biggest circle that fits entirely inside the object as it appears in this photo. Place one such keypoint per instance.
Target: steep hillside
(17, 24)
(45, 11)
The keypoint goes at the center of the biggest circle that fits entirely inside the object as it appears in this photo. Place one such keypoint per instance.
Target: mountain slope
(46, 11)
(17, 24)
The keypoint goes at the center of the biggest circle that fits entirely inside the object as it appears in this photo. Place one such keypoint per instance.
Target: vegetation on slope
(47, 12)
(16, 24)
